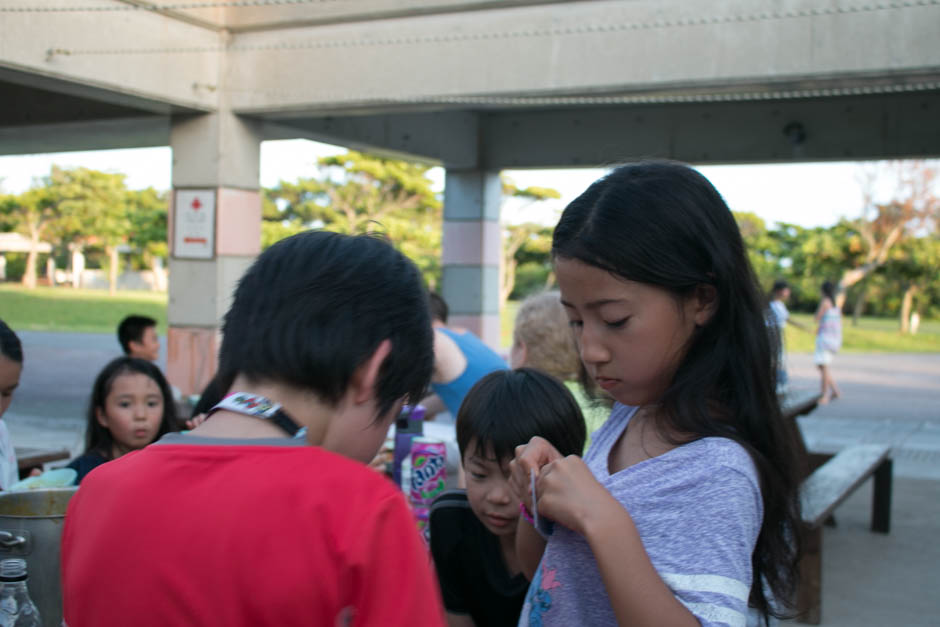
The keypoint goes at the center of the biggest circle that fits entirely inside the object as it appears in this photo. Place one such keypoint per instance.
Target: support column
(471, 251)
(216, 158)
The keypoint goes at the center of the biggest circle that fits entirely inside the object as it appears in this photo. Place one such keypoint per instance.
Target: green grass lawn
(507, 318)
(872, 335)
(78, 311)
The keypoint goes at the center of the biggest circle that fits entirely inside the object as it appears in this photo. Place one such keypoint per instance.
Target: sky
(808, 194)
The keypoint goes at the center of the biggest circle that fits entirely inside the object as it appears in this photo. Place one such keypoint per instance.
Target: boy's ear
(101, 417)
(366, 375)
(705, 304)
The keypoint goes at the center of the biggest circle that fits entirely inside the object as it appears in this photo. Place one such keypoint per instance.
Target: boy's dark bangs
(497, 436)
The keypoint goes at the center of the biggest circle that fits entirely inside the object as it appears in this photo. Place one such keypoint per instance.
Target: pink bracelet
(526, 513)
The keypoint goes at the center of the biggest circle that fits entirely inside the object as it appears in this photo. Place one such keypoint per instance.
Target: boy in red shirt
(266, 513)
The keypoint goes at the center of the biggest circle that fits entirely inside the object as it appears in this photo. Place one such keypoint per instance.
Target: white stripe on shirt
(717, 614)
(708, 583)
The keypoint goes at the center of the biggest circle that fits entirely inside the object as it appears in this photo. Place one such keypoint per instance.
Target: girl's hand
(569, 494)
(532, 456)
(195, 421)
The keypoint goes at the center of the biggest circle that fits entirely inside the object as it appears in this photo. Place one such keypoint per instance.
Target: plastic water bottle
(406, 478)
(16, 607)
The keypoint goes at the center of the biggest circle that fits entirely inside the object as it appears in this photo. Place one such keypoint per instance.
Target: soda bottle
(406, 478)
(16, 607)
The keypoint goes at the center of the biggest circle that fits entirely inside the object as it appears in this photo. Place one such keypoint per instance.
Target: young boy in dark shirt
(473, 531)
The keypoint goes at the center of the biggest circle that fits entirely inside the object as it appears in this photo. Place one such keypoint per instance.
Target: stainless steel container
(31, 528)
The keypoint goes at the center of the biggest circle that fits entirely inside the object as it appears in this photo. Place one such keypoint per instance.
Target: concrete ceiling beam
(449, 138)
(582, 48)
(140, 55)
(138, 132)
(872, 127)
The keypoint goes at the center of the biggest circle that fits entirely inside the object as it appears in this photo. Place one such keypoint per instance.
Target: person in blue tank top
(460, 360)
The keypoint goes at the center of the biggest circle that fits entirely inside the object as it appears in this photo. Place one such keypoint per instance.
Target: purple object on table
(408, 426)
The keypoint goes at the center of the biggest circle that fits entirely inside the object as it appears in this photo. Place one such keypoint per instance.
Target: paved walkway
(889, 399)
(869, 580)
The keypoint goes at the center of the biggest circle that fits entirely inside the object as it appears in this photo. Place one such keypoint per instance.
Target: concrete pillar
(216, 158)
(471, 251)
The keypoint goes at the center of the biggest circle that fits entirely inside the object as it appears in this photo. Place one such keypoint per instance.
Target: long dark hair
(98, 439)
(664, 224)
(10, 346)
(829, 290)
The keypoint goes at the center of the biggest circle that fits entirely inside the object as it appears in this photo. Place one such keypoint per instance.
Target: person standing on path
(780, 317)
(828, 340)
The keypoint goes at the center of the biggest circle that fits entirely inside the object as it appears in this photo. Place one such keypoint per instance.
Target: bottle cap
(13, 569)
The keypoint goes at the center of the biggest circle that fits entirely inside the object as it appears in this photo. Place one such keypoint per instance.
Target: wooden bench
(824, 490)
(827, 480)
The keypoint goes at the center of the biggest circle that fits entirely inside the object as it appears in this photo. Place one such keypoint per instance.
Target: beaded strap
(260, 407)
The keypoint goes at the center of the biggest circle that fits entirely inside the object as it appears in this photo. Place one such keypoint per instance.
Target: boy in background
(266, 514)
(778, 320)
(473, 531)
(138, 337)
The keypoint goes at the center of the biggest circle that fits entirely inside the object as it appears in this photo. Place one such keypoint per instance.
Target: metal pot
(31, 528)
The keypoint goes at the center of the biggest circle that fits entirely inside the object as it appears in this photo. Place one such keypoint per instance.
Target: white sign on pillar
(194, 224)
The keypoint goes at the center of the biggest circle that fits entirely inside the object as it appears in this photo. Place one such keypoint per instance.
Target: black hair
(829, 290)
(10, 346)
(664, 224)
(315, 306)
(779, 286)
(131, 329)
(98, 439)
(439, 308)
(507, 408)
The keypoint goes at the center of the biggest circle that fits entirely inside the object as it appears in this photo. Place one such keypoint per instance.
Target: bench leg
(881, 498)
(809, 592)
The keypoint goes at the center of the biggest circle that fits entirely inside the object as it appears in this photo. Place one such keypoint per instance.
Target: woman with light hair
(542, 339)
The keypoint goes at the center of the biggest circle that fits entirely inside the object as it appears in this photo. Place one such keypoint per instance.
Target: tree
(914, 208)
(762, 247)
(34, 213)
(358, 193)
(913, 267)
(8, 217)
(517, 236)
(93, 208)
(147, 232)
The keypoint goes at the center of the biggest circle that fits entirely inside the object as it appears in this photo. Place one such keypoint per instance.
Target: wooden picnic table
(28, 457)
(798, 403)
(827, 479)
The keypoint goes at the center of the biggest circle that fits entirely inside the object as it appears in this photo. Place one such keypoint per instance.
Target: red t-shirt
(187, 534)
